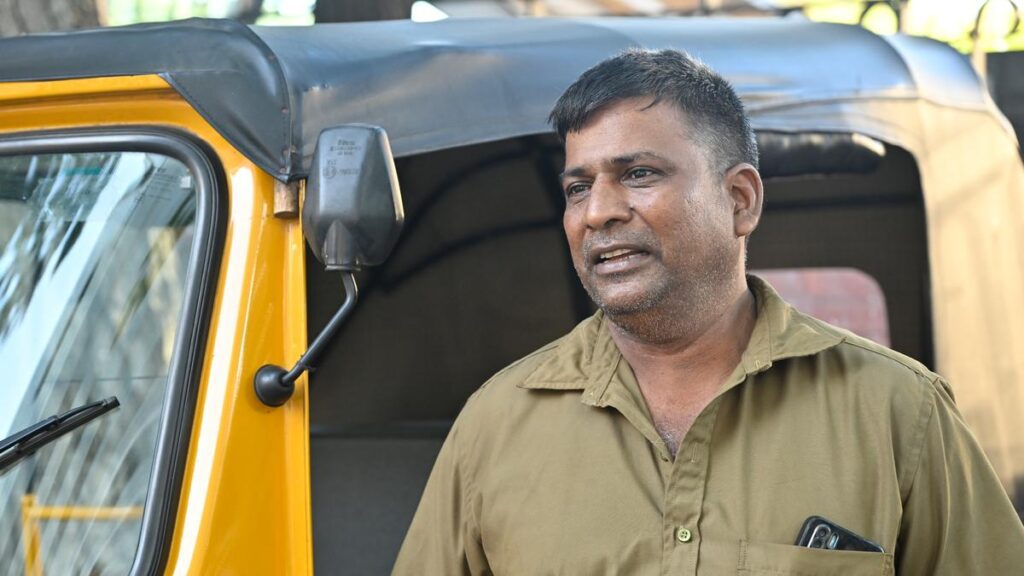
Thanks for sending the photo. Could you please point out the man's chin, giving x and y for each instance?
(625, 296)
(617, 305)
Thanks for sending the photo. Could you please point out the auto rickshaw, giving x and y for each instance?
(159, 184)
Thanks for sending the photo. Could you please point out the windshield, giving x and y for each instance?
(94, 249)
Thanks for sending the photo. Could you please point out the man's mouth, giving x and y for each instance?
(618, 259)
(616, 254)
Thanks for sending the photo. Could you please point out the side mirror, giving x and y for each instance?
(351, 218)
(353, 210)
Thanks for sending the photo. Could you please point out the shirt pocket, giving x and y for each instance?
(782, 560)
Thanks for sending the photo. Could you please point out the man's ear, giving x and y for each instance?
(746, 191)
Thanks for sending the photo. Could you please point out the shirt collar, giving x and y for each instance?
(587, 358)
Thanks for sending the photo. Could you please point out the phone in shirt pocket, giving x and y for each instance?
(764, 559)
(823, 534)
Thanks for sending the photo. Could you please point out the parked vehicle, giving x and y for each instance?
(150, 187)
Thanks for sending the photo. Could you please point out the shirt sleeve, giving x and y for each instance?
(444, 537)
(957, 518)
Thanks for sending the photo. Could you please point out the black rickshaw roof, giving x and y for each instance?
(270, 90)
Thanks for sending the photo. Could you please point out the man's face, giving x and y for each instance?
(648, 221)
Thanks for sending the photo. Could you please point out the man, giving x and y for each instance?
(696, 421)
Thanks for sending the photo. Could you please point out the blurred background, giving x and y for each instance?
(991, 25)
(989, 32)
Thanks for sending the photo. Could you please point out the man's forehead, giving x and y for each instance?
(629, 129)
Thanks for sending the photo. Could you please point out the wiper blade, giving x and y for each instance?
(23, 444)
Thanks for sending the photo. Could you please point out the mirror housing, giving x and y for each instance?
(351, 218)
(353, 212)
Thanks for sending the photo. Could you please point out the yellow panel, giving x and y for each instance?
(122, 85)
(245, 504)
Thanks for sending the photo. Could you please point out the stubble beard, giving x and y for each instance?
(673, 306)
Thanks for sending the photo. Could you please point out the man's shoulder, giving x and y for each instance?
(497, 410)
(877, 356)
(509, 377)
(558, 364)
(867, 361)
(847, 356)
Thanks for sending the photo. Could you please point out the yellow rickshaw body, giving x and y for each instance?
(244, 506)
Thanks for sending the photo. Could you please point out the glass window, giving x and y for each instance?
(94, 249)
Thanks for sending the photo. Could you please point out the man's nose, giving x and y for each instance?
(608, 203)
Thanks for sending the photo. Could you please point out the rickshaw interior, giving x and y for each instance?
(482, 276)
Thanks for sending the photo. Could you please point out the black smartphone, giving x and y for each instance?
(817, 532)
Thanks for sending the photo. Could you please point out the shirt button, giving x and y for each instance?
(683, 535)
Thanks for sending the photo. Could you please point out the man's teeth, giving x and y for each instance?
(615, 253)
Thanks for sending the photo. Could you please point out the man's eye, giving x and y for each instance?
(574, 189)
(639, 173)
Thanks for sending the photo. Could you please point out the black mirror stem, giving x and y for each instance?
(274, 386)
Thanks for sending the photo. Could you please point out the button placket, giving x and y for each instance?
(684, 496)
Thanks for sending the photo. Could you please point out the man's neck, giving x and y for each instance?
(679, 376)
(693, 343)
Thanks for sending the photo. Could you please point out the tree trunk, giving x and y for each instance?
(19, 17)
(362, 10)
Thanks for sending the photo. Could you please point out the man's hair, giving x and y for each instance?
(715, 112)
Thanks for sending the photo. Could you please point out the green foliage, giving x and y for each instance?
(950, 21)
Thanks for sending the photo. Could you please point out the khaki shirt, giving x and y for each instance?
(554, 467)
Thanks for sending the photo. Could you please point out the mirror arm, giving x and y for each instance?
(274, 386)
(325, 336)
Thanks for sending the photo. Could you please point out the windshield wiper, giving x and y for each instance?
(23, 444)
